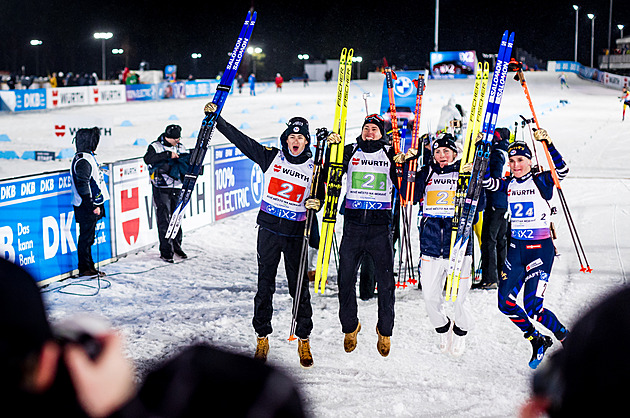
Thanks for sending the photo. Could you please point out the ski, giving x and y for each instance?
(335, 172)
(480, 163)
(405, 243)
(472, 129)
(322, 134)
(212, 111)
(413, 164)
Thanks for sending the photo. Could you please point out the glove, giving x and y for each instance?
(467, 168)
(334, 138)
(313, 204)
(210, 108)
(479, 138)
(542, 135)
(322, 133)
(411, 153)
(399, 158)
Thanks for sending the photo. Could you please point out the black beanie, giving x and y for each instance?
(296, 125)
(376, 120)
(445, 140)
(23, 320)
(173, 131)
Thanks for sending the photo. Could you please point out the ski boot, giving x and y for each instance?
(350, 340)
(383, 345)
(304, 351)
(262, 348)
(540, 344)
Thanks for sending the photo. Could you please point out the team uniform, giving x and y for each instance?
(89, 192)
(371, 172)
(281, 221)
(531, 251)
(435, 188)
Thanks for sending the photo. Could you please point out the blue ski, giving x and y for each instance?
(212, 111)
(480, 164)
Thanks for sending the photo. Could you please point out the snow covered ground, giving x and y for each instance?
(209, 297)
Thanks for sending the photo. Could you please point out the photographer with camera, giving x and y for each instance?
(78, 368)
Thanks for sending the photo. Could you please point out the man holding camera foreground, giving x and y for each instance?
(73, 370)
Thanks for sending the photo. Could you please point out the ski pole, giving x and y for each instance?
(521, 78)
(322, 134)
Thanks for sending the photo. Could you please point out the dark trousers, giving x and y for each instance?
(494, 241)
(269, 248)
(376, 241)
(85, 217)
(165, 200)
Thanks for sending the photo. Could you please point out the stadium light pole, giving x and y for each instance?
(254, 51)
(592, 17)
(36, 43)
(103, 36)
(437, 24)
(358, 60)
(620, 27)
(609, 34)
(577, 9)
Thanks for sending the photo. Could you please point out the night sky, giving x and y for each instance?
(402, 31)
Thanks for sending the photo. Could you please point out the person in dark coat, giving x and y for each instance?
(47, 370)
(167, 159)
(494, 233)
(89, 194)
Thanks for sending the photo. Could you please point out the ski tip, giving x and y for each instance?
(292, 338)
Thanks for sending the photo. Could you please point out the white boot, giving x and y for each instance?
(445, 339)
(458, 345)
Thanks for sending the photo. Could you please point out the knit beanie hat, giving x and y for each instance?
(445, 140)
(173, 131)
(296, 125)
(376, 120)
(519, 148)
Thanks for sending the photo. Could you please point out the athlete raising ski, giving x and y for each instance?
(370, 165)
(436, 184)
(531, 251)
(281, 220)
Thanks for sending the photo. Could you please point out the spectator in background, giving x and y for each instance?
(279, 80)
(125, 74)
(252, 84)
(89, 194)
(168, 160)
(239, 82)
(305, 77)
(42, 373)
(53, 80)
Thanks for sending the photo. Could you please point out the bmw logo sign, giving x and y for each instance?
(257, 183)
(404, 86)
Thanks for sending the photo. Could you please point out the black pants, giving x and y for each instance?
(270, 247)
(85, 217)
(376, 241)
(165, 200)
(494, 241)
